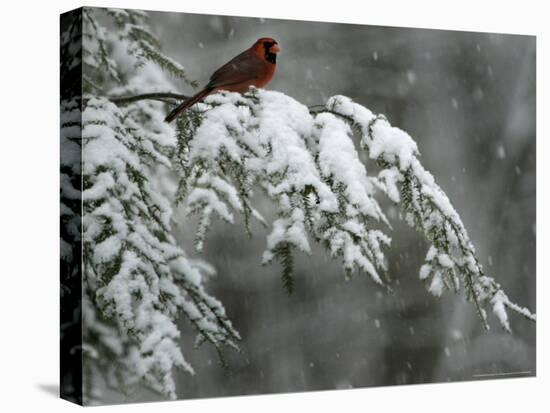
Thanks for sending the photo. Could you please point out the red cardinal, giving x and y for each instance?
(253, 67)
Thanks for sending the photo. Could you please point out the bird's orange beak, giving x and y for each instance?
(275, 48)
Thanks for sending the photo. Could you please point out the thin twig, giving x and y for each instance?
(161, 96)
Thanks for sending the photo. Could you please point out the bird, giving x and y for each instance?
(253, 67)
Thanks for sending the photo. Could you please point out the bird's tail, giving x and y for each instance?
(187, 104)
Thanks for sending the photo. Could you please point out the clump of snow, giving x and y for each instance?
(445, 260)
(436, 286)
(383, 140)
(211, 136)
(389, 180)
(343, 105)
(339, 160)
(500, 310)
(391, 143)
(209, 201)
(107, 249)
(288, 230)
(425, 271)
(283, 124)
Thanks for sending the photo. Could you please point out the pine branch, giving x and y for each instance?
(312, 172)
(284, 254)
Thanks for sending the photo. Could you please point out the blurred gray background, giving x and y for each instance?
(469, 101)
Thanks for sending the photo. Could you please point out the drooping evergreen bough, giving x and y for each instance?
(137, 280)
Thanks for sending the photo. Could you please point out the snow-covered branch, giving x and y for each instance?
(307, 164)
(451, 261)
(134, 271)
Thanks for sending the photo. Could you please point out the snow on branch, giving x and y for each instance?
(307, 166)
(134, 271)
(451, 260)
(306, 162)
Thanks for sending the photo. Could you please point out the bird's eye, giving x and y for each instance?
(268, 45)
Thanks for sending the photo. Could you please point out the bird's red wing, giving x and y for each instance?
(241, 68)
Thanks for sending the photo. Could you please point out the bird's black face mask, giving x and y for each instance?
(269, 55)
